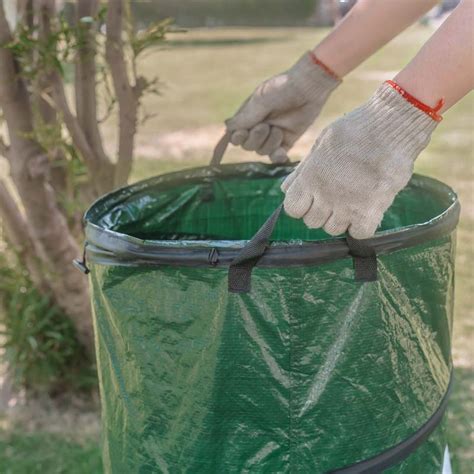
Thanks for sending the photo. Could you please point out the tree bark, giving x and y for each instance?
(85, 79)
(19, 236)
(100, 172)
(47, 112)
(128, 96)
(30, 173)
(4, 148)
(84, 131)
(26, 12)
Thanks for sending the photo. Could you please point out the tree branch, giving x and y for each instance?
(45, 10)
(12, 216)
(97, 163)
(85, 78)
(99, 170)
(19, 236)
(4, 148)
(127, 96)
(26, 12)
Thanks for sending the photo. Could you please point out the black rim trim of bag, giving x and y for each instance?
(401, 451)
(108, 247)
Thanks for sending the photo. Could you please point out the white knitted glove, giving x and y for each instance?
(281, 109)
(358, 165)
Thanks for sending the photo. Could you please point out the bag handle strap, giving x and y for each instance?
(240, 269)
(220, 149)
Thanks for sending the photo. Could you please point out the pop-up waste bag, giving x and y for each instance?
(229, 341)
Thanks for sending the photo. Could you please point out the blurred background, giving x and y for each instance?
(197, 69)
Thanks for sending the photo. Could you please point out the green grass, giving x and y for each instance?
(47, 454)
(206, 74)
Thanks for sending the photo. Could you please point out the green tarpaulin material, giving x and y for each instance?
(311, 371)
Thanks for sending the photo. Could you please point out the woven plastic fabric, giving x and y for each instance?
(310, 372)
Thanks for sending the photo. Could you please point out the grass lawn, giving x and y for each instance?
(48, 454)
(206, 74)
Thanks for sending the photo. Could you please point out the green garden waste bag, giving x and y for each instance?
(232, 339)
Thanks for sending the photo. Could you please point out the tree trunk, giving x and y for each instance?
(85, 78)
(127, 95)
(30, 172)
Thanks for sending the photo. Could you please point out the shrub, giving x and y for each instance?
(39, 342)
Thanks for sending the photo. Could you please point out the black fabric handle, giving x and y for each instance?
(364, 258)
(240, 269)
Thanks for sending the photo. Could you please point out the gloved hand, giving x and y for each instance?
(282, 108)
(359, 164)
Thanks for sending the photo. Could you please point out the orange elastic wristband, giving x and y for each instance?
(323, 66)
(431, 111)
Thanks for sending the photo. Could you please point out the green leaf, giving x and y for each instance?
(87, 20)
(33, 343)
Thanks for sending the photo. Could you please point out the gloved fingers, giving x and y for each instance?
(280, 155)
(297, 201)
(256, 137)
(251, 113)
(365, 228)
(239, 137)
(289, 180)
(272, 143)
(291, 177)
(317, 216)
(294, 121)
(336, 224)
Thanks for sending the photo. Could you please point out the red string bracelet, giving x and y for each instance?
(431, 111)
(323, 66)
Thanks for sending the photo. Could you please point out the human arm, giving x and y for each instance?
(282, 108)
(365, 29)
(444, 67)
(362, 160)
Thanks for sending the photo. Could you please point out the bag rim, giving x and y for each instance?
(106, 246)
